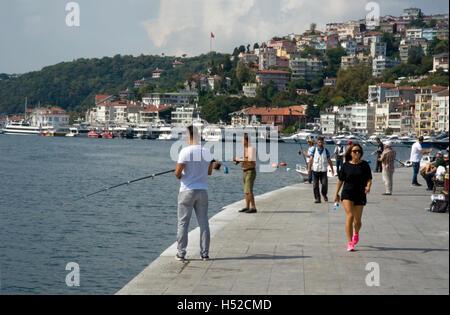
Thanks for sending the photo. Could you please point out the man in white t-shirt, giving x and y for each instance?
(195, 164)
(416, 155)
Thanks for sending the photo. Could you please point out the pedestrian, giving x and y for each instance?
(416, 155)
(432, 168)
(339, 153)
(195, 164)
(308, 154)
(378, 152)
(356, 177)
(248, 163)
(387, 159)
(318, 165)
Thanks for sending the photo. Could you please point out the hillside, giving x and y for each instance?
(73, 85)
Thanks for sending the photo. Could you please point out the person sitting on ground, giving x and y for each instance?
(432, 168)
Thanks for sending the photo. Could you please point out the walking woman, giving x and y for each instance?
(356, 177)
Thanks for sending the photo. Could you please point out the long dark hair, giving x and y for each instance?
(348, 153)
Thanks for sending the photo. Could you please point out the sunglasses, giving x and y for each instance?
(357, 151)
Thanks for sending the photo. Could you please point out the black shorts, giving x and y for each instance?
(357, 198)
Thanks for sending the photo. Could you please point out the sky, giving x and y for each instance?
(35, 34)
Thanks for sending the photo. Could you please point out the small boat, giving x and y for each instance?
(94, 134)
(107, 135)
(303, 170)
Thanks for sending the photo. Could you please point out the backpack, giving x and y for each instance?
(439, 206)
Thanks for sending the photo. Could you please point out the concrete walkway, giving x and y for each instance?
(293, 246)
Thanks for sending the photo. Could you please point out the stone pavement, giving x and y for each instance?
(293, 246)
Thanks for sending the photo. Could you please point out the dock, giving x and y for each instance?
(295, 247)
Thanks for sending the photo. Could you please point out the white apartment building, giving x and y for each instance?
(377, 93)
(414, 33)
(50, 116)
(350, 47)
(328, 123)
(182, 98)
(344, 118)
(249, 89)
(441, 99)
(382, 63)
(267, 57)
(363, 119)
(183, 115)
(382, 112)
(305, 69)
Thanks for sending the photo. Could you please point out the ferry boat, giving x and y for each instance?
(21, 128)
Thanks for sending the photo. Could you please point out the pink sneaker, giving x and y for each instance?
(355, 239)
(351, 247)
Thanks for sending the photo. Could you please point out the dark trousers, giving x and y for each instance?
(416, 168)
(429, 179)
(379, 167)
(323, 178)
(339, 164)
(310, 177)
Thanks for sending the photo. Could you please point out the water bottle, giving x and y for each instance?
(336, 206)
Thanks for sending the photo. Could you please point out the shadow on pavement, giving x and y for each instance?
(424, 250)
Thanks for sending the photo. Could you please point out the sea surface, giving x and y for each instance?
(111, 236)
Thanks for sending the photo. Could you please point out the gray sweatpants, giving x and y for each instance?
(388, 176)
(196, 200)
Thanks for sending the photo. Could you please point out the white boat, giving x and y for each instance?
(303, 170)
(301, 137)
(213, 133)
(21, 128)
(73, 132)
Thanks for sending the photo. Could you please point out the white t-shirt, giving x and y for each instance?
(416, 156)
(195, 174)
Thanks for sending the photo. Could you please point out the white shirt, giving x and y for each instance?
(416, 155)
(195, 173)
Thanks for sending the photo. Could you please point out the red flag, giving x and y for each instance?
(212, 35)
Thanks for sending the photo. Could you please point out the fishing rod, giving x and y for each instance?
(116, 186)
(399, 162)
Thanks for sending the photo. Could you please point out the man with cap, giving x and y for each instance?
(416, 155)
(387, 159)
(432, 168)
(339, 153)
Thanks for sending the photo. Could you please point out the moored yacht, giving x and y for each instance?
(21, 128)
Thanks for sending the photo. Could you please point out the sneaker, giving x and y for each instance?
(182, 259)
(355, 239)
(387, 194)
(205, 258)
(317, 201)
(351, 247)
(251, 211)
(325, 198)
(243, 210)
(416, 185)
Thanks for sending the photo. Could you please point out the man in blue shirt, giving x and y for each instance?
(318, 164)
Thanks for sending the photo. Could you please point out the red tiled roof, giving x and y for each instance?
(99, 98)
(297, 110)
(391, 85)
(158, 71)
(157, 109)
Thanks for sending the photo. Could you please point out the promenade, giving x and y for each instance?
(293, 246)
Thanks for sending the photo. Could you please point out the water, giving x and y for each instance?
(112, 236)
